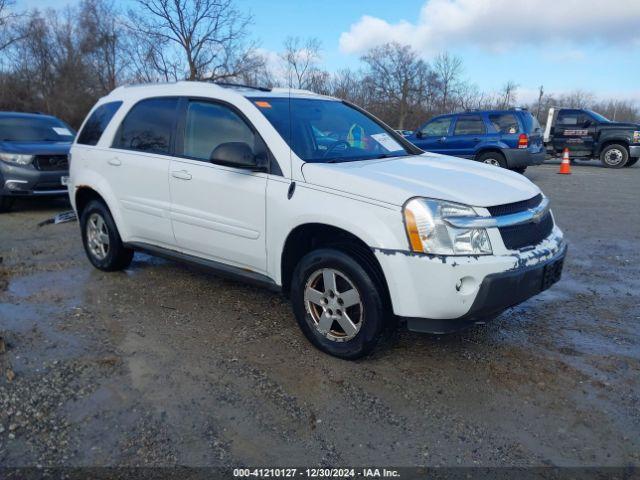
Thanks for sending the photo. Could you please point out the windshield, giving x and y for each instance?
(598, 117)
(328, 130)
(34, 129)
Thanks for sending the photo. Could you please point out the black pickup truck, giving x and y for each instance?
(589, 135)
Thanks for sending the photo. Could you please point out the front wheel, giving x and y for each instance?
(338, 303)
(614, 156)
(101, 239)
(519, 169)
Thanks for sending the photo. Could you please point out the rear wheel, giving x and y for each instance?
(5, 204)
(493, 158)
(632, 161)
(102, 242)
(614, 156)
(519, 169)
(338, 303)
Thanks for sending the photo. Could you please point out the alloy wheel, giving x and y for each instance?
(334, 304)
(98, 236)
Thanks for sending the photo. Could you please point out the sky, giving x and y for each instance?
(593, 45)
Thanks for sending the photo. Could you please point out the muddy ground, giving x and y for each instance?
(165, 364)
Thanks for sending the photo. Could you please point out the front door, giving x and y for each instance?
(218, 211)
(574, 130)
(432, 137)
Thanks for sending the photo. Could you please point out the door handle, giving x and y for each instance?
(476, 139)
(442, 139)
(181, 174)
(116, 162)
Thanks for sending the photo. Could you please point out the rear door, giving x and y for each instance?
(432, 137)
(468, 132)
(137, 169)
(218, 211)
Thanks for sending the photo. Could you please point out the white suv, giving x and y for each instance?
(314, 197)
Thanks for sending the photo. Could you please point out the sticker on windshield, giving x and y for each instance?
(387, 142)
(62, 131)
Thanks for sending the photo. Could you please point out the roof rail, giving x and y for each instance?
(240, 85)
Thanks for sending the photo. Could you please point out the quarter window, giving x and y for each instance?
(469, 126)
(504, 122)
(437, 128)
(209, 125)
(97, 123)
(148, 126)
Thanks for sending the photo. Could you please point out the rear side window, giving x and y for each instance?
(97, 123)
(437, 128)
(504, 122)
(208, 125)
(148, 126)
(469, 126)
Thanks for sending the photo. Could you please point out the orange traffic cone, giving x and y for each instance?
(565, 165)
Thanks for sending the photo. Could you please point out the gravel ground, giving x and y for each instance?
(164, 364)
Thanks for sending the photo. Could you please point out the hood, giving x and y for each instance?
(36, 148)
(396, 180)
(623, 125)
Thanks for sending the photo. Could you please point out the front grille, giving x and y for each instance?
(516, 207)
(530, 234)
(51, 162)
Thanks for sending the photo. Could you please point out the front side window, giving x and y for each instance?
(97, 123)
(319, 130)
(148, 126)
(568, 119)
(34, 128)
(437, 128)
(469, 126)
(208, 125)
(504, 122)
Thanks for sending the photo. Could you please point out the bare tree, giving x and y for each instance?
(8, 33)
(448, 69)
(509, 94)
(193, 39)
(398, 77)
(103, 42)
(301, 59)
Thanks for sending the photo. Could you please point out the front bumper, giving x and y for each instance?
(498, 292)
(634, 151)
(451, 291)
(18, 181)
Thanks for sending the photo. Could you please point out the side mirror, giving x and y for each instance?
(419, 134)
(587, 123)
(238, 155)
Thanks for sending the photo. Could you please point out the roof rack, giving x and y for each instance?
(241, 85)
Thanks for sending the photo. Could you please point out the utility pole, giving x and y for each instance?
(540, 101)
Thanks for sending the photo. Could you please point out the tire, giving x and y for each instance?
(519, 169)
(368, 317)
(5, 204)
(105, 250)
(493, 158)
(632, 162)
(614, 156)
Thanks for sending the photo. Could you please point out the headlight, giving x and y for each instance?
(428, 232)
(16, 158)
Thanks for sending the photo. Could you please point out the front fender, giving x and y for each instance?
(379, 227)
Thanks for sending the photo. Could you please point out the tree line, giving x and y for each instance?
(60, 61)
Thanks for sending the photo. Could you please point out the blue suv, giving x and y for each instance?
(507, 138)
